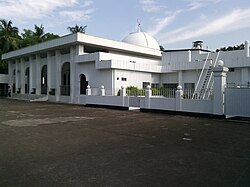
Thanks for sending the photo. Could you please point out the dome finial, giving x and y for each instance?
(138, 26)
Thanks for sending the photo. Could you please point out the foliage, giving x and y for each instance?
(3, 67)
(11, 40)
(30, 37)
(231, 48)
(161, 48)
(134, 91)
(76, 29)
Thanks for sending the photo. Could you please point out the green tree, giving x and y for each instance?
(9, 38)
(30, 37)
(9, 41)
(161, 48)
(76, 29)
(232, 48)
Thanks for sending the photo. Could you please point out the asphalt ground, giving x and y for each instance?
(51, 144)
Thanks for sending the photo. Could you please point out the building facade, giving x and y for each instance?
(64, 67)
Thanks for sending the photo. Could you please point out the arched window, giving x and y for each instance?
(83, 84)
(27, 79)
(65, 79)
(44, 80)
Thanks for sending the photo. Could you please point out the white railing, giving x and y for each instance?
(156, 92)
(165, 92)
(210, 82)
(199, 79)
(203, 89)
(188, 93)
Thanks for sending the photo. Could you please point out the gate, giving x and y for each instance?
(237, 102)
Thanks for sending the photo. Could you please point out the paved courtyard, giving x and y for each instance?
(48, 144)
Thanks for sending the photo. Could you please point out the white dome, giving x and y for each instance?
(141, 39)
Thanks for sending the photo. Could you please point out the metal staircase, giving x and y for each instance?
(204, 86)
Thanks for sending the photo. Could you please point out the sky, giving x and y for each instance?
(174, 24)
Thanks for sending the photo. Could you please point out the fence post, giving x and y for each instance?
(148, 94)
(219, 73)
(123, 94)
(178, 98)
(123, 91)
(88, 90)
(102, 91)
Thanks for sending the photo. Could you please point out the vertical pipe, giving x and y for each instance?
(247, 48)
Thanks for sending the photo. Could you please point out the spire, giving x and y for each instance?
(138, 26)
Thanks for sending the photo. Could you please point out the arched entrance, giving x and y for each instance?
(83, 84)
(14, 81)
(27, 80)
(65, 79)
(44, 80)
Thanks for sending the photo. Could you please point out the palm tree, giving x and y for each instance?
(39, 33)
(77, 29)
(30, 37)
(9, 38)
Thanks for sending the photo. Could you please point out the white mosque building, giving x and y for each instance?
(64, 67)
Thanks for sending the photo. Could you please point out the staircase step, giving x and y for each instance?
(29, 97)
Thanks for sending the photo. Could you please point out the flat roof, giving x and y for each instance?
(177, 50)
(80, 38)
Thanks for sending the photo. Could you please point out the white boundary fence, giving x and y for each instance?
(225, 101)
(237, 102)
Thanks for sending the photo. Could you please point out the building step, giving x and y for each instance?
(29, 97)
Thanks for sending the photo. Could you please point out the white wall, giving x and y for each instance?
(133, 78)
(169, 78)
(197, 106)
(95, 77)
(234, 77)
(237, 102)
(4, 78)
(108, 100)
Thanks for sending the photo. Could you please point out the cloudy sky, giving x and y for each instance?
(174, 23)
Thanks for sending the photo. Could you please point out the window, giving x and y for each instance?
(145, 84)
(188, 90)
(230, 69)
(155, 85)
(124, 79)
(189, 86)
(117, 78)
(170, 85)
(230, 84)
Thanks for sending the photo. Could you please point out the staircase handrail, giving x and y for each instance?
(208, 83)
(198, 82)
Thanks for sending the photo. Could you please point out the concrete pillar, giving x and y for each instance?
(247, 48)
(122, 95)
(17, 75)
(22, 77)
(72, 74)
(180, 78)
(38, 74)
(178, 98)
(31, 65)
(244, 76)
(219, 73)
(189, 56)
(49, 70)
(123, 91)
(88, 90)
(148, 94)
(10, 72)
(80, 49)
(102, 91)
(58, 75)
